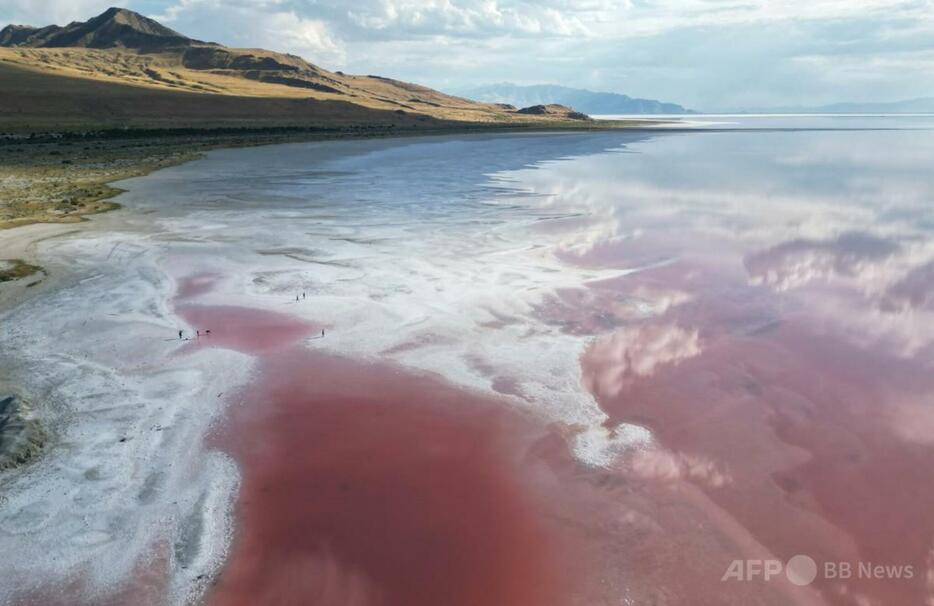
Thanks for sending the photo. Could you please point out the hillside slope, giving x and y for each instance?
(47, 102)
(121, 69)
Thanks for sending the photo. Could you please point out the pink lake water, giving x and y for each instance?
(557, 369)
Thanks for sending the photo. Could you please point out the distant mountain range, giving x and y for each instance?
(586, 101)
(923, 105)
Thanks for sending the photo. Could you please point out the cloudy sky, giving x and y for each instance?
(706, 54)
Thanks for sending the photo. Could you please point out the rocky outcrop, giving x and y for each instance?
(219, 57)
(18, 35)
(21, 436)
(271, 68)
(274, 78)
(560, 111)
(16, 269)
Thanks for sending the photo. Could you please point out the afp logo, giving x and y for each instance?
(800, 570)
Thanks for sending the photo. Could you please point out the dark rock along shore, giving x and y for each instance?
(21, 437)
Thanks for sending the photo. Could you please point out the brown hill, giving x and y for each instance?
(121, 69)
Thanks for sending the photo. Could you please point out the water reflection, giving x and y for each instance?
(804, 210)
(798, 262)
(796, 359)
(618, 360)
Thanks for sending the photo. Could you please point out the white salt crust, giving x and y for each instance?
(429, 271)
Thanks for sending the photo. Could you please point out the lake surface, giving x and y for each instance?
(441, 370)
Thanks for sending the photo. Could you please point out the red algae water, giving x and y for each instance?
(366, 485)
(783, 426)
(244, 329)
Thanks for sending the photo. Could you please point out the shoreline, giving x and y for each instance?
(74, 173)
(66, 177)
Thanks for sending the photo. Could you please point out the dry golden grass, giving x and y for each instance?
(63, 181)
(165, 72)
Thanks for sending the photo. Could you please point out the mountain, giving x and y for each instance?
(123, 70)
(115, 27)
(585, 101)
(924, 105)
(15, 35)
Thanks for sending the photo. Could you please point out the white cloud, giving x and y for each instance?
(269, 24)
(795, 52)
(869, 66)
(46, 12)
(481, 18)
(599, 18)
(652, 17)
(307, 37)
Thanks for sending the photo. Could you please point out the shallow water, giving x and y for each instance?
(616, 360)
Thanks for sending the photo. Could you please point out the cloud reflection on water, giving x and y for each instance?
(837, 222)
(799, 356)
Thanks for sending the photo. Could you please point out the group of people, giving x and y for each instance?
(198, 333)
(302, 299)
